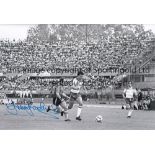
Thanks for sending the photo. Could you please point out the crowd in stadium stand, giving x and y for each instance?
(26, 57)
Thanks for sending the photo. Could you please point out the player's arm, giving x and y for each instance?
(124, 93)
(135, 95)
(85, 89)
(85, 78)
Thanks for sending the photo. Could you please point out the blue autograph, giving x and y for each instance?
(14, 109)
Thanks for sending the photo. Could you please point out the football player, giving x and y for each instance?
(129, 95)
(59, 99)
(75, 93)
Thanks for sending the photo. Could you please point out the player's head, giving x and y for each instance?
(61, 81)
(80, 74)
(129, 84)
(54, 83)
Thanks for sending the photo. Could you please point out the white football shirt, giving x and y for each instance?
(130, 92)
(76, 86)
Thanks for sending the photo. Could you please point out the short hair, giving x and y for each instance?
(61, 81)
(80, 73)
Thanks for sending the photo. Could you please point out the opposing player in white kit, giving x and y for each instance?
(75, 94)
(130, 95)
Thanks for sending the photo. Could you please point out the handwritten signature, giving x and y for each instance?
(14, 109)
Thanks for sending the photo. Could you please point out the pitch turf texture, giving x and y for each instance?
(114, 118)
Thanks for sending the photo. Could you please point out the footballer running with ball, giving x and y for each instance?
(75, 93)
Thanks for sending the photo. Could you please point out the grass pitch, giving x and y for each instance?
(114, 118)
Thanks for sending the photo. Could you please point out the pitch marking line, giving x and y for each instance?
(104, 106)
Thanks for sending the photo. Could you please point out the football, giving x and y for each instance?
(99, 118)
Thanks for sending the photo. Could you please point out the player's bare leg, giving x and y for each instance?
(79, 110)
(71, 103)
(65, 110)
(136, 104)
(130, 111)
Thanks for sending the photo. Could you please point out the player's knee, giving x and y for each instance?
(66, 111)
(80, 105)
(70, 106)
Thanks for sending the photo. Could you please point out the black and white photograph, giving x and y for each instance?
(77, 77)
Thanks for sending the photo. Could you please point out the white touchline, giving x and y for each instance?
(104, 106)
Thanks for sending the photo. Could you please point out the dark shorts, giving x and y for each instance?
(74, 96)
(129, 100)
(56, 101)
